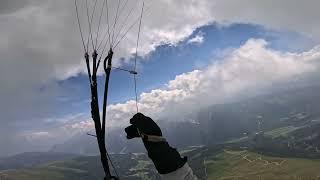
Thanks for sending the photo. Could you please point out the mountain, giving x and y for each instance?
(87, 145)
(216, 162)
(133, 166)
(30, 159)
(290, 152)
(217, 123)
(243, 164)
(225, 121)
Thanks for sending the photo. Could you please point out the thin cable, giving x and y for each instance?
(118, 19)
(132, 25)
(108, 29)
(126, 70)
(113, 167)
(84, 46)
(135, 60)
(98, 31)
(103, 51)
(94, 10)
(137, 44)
(115, 21)
(105, 47)
(135, 91)
(124, 23)
(109, 157)
(121, 69)
(89, 134)
(124, 35)
(123, 7)
(104, 37)
(99, 62)
(90, 34)
(108, 19)
(122, 26)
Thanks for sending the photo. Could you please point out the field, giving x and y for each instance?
(129, 167)
(230, 165)
(207, 163)
(284, 131)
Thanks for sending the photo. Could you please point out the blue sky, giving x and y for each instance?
(168, 61)
(44, 88)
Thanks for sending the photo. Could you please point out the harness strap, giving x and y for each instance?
(151, 138)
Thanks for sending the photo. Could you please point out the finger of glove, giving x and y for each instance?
(145, 124)
(132, 132)
(137, 118)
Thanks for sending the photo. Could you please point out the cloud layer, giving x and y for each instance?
(48, 40)
(40, 43)
(242, 73)
(251, 67)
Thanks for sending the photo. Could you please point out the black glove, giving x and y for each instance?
(165, 158)
(145, 125)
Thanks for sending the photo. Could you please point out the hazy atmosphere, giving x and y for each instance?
(41, 50)
(192, 56)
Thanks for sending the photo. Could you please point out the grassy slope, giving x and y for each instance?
(281, 131)
(233, 165)
(129, 167)
(80, 168)
(219, 164)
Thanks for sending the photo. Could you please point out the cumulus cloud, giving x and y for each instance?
(40, 42)
(295, 15)
(251, 67)
(42, 138)
(198, 39)
(246, 70)
(48, 40)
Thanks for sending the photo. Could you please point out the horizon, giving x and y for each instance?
(189, 58)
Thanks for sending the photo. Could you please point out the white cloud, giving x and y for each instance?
(40, 42)
(252, 66)
(46, 37)
(198, 39)
(50, 32)
(245, 70)
(292, 15)
(63, 129)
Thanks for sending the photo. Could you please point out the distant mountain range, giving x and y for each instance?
(30, 159)
(216, 162)
(129, 167)
(215, 124)
(239, 139)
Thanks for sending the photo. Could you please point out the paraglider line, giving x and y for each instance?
(135, 60)
(124, 23)
(79, 25)
(115, 21)
(98, 31)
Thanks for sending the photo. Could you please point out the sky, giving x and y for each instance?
(191, 54)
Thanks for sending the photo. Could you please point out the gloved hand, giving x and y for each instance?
(165, 158)
(142, 124)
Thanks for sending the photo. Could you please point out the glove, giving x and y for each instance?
(165, 158)
(142, 124)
